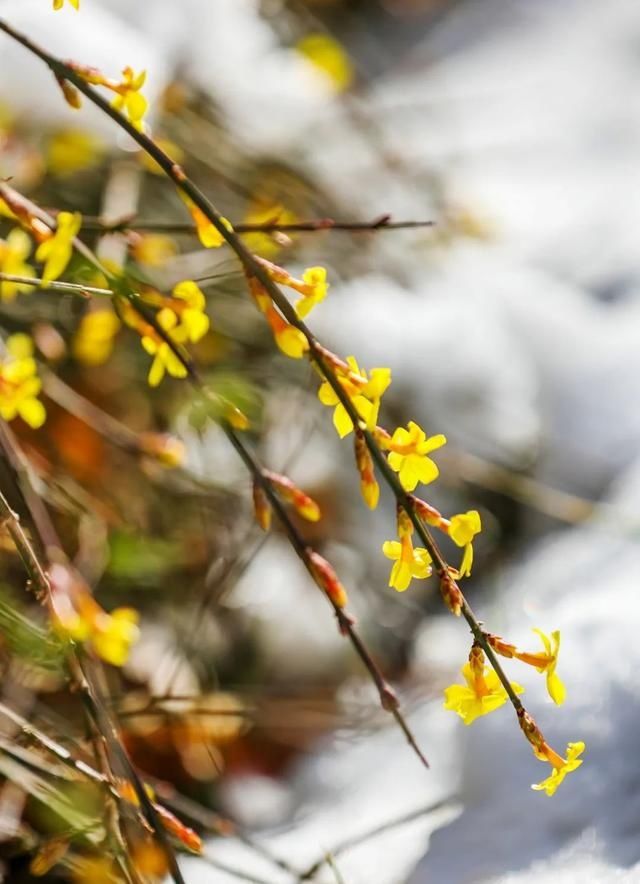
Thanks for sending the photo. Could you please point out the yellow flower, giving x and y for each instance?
(410, 562)
(19, 383)
(267, 245)
(462, 529)
(165, 360)
(13, 254)
(408, 457)
(71, 150)
(376, 386)
(154, 249)
(561, 766)
(56, 251)
(112, 635)
(313, 286)
(328, 56)
(208, 233)
(314, 291)
(166, 449)
(93, 342)
(129, 99)
(192, 316)
(482, 694)
(289, 339)
(58, 4)
(77, 616)
(364, 392)
(547, 662)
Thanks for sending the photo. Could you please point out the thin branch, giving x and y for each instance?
(382, 222)
(55, 286)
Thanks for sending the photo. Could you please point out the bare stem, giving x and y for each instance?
(382, 222)
(55, 286)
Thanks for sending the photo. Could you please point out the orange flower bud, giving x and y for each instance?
(405, 526)
(327, 579)
(25, 212)
(451, 594)
(428, 513)
(500, 646)
(171, 823)
(476, 660)
(369, 487)
(533, 734)
(382, 438)
(304, 505)
(166, 449)
(175, 827)
(237, 418)
(70, 93)
(261, 507)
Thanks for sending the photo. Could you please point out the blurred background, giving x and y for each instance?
(511, 325)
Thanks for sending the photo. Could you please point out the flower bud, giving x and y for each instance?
(327, 579)
(451, 594)
(261, 507)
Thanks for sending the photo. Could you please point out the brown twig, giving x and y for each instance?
(130, 222)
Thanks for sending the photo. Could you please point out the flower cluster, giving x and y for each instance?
(485, 692)
(364, 391)
(354, 395)
(182, 319)
(55, 245)
(482, 693)
(77, 616)
(128, 97)
(313, 286)
(560, 766)
(19, 383)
